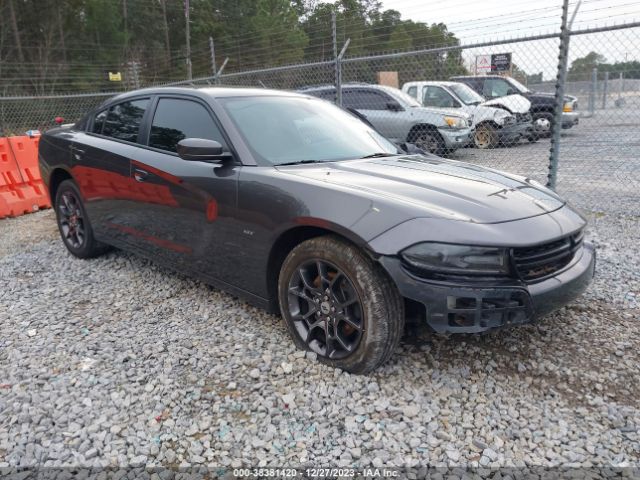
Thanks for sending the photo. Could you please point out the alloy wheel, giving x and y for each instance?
(326, 309)
(482, 138)
(542, 125)
(71, 220)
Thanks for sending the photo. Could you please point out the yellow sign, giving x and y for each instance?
(115, 77)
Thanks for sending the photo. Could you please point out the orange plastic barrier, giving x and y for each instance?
(25, 150)
(21, 187)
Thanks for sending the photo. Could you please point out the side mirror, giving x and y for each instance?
(394, 107)
(201, 149)
(510, 91)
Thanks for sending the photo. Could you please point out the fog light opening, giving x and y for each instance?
(461, 320)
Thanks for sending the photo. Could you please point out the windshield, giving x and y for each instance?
(520, 87)
(405, 98)
(282, 130)
(466, 94)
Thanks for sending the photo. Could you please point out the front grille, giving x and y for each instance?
(542, 261)
(510, 121)
(523, 117)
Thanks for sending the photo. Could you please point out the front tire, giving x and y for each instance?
(73, 223)
(485, 137)
(339, 304)
(429, 140)
(543, 124)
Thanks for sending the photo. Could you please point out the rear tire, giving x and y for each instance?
(332, 295)
(73, 223)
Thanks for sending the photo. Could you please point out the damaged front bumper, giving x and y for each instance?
(513, 132)
(456, 138)
(473, 307)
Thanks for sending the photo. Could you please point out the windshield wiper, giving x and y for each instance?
(299, 162)
(380, 155)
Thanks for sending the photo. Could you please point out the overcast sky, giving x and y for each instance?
(476, 21)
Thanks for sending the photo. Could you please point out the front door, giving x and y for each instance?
(379, 109)
(184, 209)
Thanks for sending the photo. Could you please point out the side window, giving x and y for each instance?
(176, 119)
(329, 95)
(495, 87)
(371, 100)
(349, 99)
(413, 91)
(98, 122)
(437, 97)
(123, 120)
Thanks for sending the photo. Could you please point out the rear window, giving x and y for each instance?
(123, 120)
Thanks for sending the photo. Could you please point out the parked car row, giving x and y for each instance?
(400, 117)
(440, 117)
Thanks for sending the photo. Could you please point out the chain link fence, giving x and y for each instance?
(498, 113)
(19, 114)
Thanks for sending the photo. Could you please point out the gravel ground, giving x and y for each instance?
(117, 362)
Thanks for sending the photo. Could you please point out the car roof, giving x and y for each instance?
(214, 92)
(432, 82)
(347, 85)
(481, 76)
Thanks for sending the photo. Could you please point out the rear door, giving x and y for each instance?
(184, 209)
(100, 163)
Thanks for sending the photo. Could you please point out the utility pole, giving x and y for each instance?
(167, 44)
(186, 14)
(126, 26)
(16, 31)
(338, 78)
(212, 48)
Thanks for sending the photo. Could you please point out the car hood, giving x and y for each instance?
(436, 187)
(543, 97)
(441, 111)
(513, 103)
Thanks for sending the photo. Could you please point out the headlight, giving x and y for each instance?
(457, 259)
(567, 107)
(501, 116)
(456, 122)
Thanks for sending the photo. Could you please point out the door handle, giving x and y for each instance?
(140, 175)
(77, 152)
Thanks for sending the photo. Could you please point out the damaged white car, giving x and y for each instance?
(502, 121)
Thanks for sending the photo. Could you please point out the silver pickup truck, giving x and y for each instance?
(401, 118)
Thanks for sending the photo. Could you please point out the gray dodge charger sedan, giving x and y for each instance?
(301, 208)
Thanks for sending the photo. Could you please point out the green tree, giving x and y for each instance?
(581, 67)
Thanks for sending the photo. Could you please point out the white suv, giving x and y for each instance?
(502, 121)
